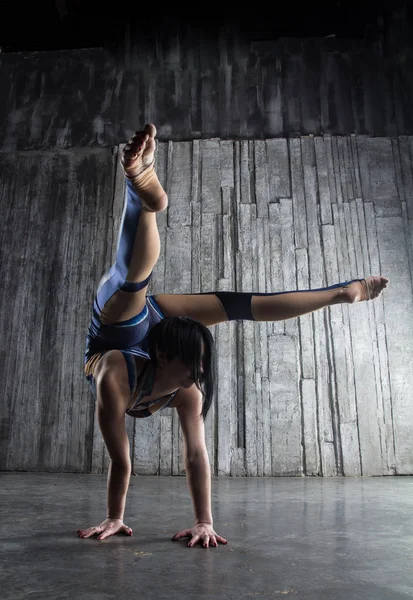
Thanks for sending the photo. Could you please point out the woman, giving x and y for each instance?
(146, 353)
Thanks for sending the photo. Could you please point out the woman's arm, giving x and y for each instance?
(196, 460)
(117, 488)
(198, 476)
(112, 401)
(188, 403)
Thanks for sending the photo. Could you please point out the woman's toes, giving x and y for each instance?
(150, 129)
(150, 147)
(138, 165)
(139, 142)
(366, 289)
(375, 285)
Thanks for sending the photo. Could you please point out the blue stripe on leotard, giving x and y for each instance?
(130, 337)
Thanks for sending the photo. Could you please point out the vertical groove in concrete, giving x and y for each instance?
(326, 394)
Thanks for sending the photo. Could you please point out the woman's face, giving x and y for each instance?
(177, 372)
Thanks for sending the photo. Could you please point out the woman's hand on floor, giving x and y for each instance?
(201, 532)
(105, 529)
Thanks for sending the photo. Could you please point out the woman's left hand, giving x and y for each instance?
(201, 532)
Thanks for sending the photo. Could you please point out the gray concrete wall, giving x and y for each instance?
(55, 236)
(325, 394)
(230, 87)
(255, 205)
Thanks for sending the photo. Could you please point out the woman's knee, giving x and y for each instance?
(205, 308)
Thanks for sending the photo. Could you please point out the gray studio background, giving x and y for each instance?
(288, 165)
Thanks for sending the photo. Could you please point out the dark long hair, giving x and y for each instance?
(182, 338)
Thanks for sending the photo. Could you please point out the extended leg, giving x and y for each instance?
(211, 308)
(287, 305)
(122, 291)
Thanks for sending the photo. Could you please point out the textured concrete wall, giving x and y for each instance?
(55, 238)
(194, 87)
(255, 206)
(325, 394)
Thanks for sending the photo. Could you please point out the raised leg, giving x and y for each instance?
(122, 291)
(288, 305)
(205, 308)
(211, 308)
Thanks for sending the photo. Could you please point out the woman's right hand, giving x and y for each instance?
(105, 529)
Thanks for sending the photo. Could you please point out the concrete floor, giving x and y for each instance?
(312, 539)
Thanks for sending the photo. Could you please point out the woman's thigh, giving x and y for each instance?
(205, 308)
(123, 305)
(146, 248)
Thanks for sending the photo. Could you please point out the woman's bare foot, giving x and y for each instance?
(138, 163)
(366, 289)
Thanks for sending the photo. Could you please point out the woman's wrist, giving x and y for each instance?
(205, 521)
